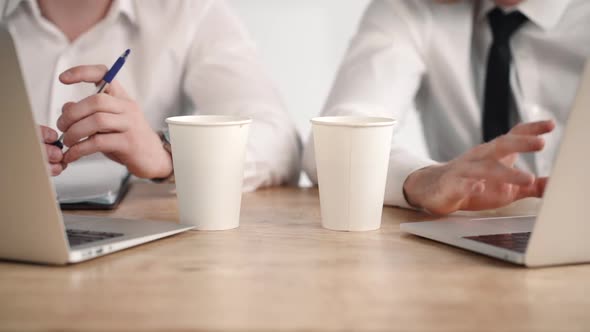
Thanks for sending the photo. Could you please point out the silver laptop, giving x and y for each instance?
(32, 227)
(560, 234)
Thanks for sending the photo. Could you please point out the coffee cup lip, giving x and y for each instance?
(353, 121)
(208, 120)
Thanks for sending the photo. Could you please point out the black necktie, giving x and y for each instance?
(496, 114)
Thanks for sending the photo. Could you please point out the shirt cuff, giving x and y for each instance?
(398, 172)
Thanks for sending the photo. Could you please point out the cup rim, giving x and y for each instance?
(353, 121)
(208, 120)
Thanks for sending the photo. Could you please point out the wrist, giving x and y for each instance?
(409, 190)
(167, 172)
(417, 185)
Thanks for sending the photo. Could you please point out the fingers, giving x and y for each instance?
(54, 154)
(57, 169)
(541, 185)
(97, 123)
(92, 74)
(48, 135)
(522, 138)
(74, 112)
(536, 189)
(117, 90)
(483, 177)
(494, 171)
(534, 128)
(473, 185)
(507, 145)
(105, 143)
(510, 144)
(86, 73)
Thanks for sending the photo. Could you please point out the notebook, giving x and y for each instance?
(94, 183)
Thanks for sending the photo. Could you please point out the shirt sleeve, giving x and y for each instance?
(380, 76)
(224, 76)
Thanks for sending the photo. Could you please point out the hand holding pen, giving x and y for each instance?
(110, 123)
(107, 79)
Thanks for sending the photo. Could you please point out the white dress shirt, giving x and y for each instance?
(186, 55)
(431, 57)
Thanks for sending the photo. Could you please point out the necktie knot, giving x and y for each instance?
(505, 25)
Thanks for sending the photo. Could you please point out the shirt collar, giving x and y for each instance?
(127, 8)
(544, 13)
(124, 7)
(10, 7)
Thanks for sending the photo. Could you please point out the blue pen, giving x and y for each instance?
(107, 79)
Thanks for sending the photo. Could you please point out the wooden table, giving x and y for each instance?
(281, 271)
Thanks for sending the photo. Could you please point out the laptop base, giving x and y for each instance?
(457, 232)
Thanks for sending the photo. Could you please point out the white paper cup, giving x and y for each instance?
(352, 157)
(208, 154)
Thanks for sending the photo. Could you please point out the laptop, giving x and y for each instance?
(560, 233)
(32, 227)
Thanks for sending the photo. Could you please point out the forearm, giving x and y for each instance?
(413, 185)
(274, 151)
(402, 164)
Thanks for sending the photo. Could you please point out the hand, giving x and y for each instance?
(111, 123)
(484, 177)
(54, 154)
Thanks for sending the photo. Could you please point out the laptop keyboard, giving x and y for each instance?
(512, 241)
(79, 237)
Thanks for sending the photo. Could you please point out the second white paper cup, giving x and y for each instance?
(209, 153)
(352, 157)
